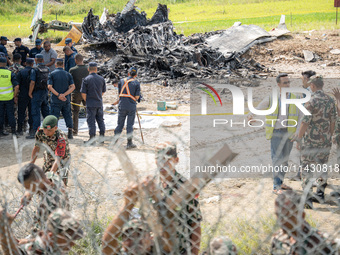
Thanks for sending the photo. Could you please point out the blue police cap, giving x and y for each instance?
(29, 60)
(68, 40)
(17, 39)
(59, 60)
(38, 42)
(39, 56)
(4, 38)
(3, 60)
(133, 69)
(93, 64)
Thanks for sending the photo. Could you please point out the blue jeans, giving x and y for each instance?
(65, 109)
(94, 114)
(281, 147)
(39, 104)
(122, 114)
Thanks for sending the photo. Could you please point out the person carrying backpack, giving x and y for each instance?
(38, 92)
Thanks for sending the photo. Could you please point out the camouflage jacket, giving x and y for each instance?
(323, 110)
(337, 131)
(52, 142)
(187, 216)
(37, 247)
(50, 200)
(15, 68)
(313, 242)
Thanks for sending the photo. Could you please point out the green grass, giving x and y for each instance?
(188, 16)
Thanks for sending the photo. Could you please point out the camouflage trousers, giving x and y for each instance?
(314, 169)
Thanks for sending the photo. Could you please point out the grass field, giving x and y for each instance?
(188, 16)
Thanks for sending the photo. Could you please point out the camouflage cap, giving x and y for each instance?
(63, 222)
(317, 80)
(50, 122)
(166, 150)
(222, 246)
(135, 225)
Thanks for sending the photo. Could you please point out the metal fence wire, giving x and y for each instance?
(115, 205)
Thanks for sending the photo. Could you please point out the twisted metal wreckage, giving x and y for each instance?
(161, 54)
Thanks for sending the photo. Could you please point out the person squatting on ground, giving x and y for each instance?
(57, 154)
(49, 188)
(57, 237)
(20, 49)
(79, 72)
(8, 97)
(38, 93)
(129, 93)
(280, 136)
(315, 140)
(296, 236)
(61, 84)
(24, 100)
(92, 91)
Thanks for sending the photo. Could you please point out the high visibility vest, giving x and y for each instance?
(293, 118)
(126, 87)
(6, 88)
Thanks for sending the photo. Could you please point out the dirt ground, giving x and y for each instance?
(98, 179)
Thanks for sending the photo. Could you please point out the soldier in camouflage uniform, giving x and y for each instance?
(296, 236)
(52, 194)
(336, 93)
(57, 151)
(316, 130)
(135, 234)
(188, 219)
(16, 67)
(57, 238)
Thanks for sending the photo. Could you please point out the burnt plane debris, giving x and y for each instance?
(160, 53)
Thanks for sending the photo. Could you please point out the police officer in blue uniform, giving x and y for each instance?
(69, 58)
(8, 96)
(129, 93)
(93, 89)
(21, 49)
(24, 101)
(38, 93)
(68, 42)
(36, 50)
(3, 42)
(61, 84)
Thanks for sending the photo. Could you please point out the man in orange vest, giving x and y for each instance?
(129, 93)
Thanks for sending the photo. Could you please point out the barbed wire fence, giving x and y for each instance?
(181, 215)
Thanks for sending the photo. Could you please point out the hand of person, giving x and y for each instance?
(298, 146)
(336, 93)
(149, 185)
(294, 138)
(30, 95)
(25, 200)
(62, 97)
(16, 100)
(131, 194)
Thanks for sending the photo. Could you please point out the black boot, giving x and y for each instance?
(70, 133)
(130, 145)
(90, 140)
(19, 131)
(3, 133)
(102, 138)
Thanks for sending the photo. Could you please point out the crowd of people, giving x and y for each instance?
(43, 84)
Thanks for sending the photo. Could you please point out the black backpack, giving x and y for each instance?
(42, 72)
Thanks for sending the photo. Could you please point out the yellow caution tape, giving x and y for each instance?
(169, 115)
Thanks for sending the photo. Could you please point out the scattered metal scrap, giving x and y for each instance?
(160, 53)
